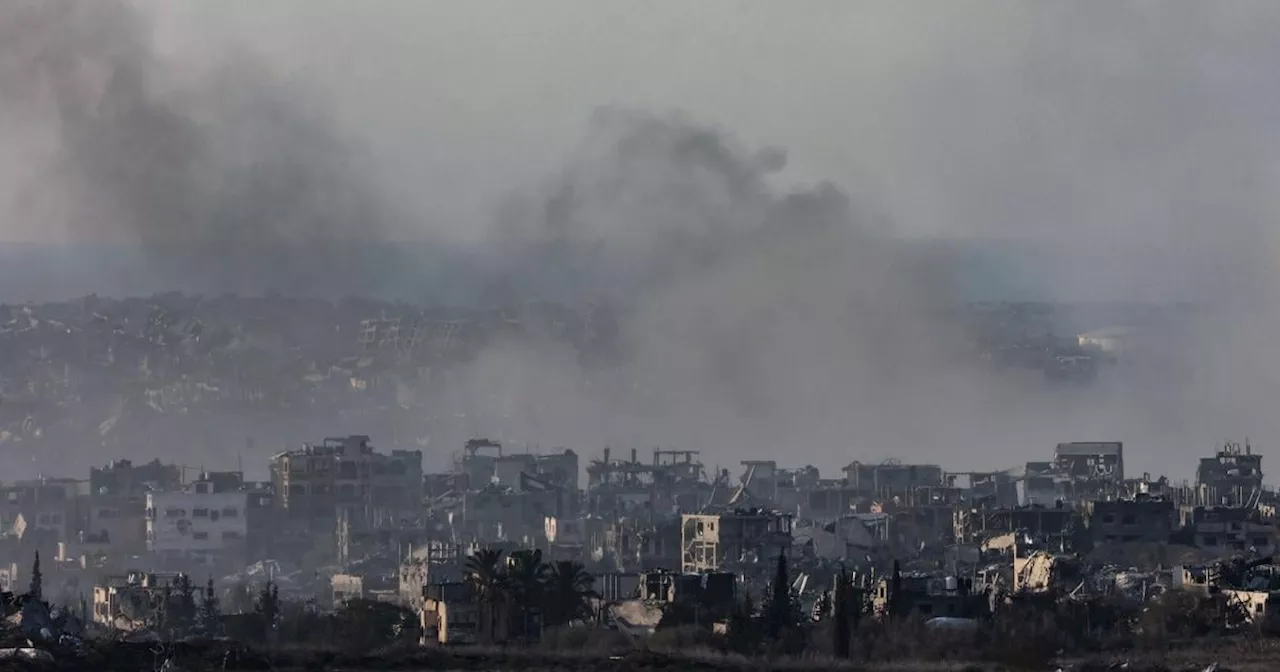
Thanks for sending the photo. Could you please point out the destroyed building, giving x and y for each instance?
(340, 520)
(928, 596)
(644, 543)
(313, 482)
(1232, 477)
(1230, 529)
(1079, 472)
(1053, 524)
(744, 538)
(1144, 519)
(558, 469)
(892, 479)
(128, 601)
(1083, 460)
(451, 614)
(674, 481)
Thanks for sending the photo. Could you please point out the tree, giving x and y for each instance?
(484, 572)
(161, 613)
(784, 623)
(841, 631)
(209, 611)
(895, 591)
(744, 635)
(36, 590)
(183, 607)
(268, 606)
(778, 615)
(568, 591)
(369, 624)
(526, 581)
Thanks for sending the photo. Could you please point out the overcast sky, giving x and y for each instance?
(958, 118)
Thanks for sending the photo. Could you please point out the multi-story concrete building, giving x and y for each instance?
(312, 483)
(48, 506)
(115, 512)
(118, 521)
(197, 523)
(1228, 530)
(713, 542)
(1231, 477)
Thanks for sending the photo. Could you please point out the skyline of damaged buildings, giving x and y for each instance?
(385, 516)
(340, 519)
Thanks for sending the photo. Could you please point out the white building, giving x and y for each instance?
(196, 523)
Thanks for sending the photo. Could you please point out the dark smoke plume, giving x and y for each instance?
(230, 181)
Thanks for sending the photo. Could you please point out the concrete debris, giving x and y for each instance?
(28, 654)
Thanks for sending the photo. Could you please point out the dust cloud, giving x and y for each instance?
(760, 323)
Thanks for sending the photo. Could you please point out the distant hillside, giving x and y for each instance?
(435, 273)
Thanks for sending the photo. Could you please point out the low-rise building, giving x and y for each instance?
(451, 614)
(1259, 606)
(715, 590)
(928, 597)
(127, 602)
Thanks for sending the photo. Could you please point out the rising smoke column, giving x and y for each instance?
(755, 320)
(231, 181)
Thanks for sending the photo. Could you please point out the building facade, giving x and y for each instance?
(197, 523)
(312, 483)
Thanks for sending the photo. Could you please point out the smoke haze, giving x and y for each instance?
(1088, 151)
(212, 177)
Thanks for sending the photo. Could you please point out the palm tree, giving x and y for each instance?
(567, 592)
(526, 576)
(484, 573)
